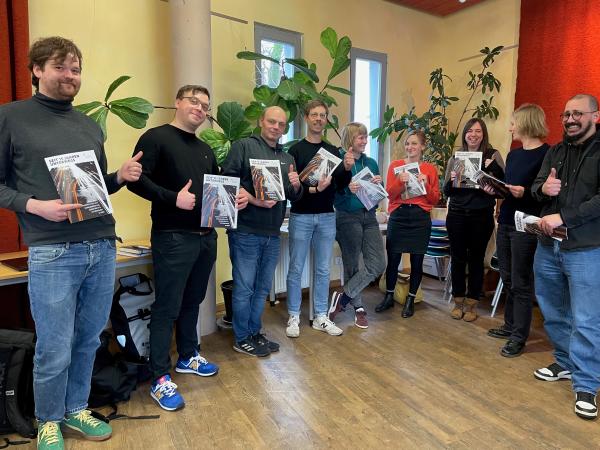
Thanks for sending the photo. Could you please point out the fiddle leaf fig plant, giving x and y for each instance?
(134, 111)
(290, 92)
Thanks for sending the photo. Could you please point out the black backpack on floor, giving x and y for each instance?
(16, 382)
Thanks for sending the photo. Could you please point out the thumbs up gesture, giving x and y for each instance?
(185, 199)
(131, 169)
(293, 177)
(551, 187)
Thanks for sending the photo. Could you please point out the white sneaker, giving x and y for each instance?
(293, 326)
(322, 323)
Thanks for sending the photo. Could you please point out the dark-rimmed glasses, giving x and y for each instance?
(194, 101)
(576, 115)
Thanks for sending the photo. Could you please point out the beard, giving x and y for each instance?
(576, 137)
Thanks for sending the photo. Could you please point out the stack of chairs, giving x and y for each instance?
(439, 249)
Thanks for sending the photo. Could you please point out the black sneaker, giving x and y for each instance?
(499, 333)
(512, 349)
(261, 339)
(585, 405)
(249, 347)
(553, 372)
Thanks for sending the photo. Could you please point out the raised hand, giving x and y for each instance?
(186, 199)
(52, 210)
(294, 178)
(131, 170)
(551, 186)
(349, 159)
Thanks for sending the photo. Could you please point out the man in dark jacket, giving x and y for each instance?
(254, 245)
(567, 273)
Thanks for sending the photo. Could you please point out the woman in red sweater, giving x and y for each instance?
(413, 189)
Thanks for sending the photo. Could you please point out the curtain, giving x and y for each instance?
(15, 83)
(559, 56)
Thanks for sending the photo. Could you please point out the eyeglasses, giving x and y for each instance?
(194, 101)
(576, 115)
(315, 115)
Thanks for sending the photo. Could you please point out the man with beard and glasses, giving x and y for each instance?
(71, 265)
(567, 273)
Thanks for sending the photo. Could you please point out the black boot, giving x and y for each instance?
(409, 306)
(387, 303)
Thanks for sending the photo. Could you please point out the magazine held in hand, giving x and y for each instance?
(370, 194)
(414, 187)
(218, 201)
(527, 223)
(466, 165)
(485, 179)
(78, 179)
(266, 177)
(321, 165)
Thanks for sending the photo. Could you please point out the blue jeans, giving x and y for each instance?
(70, 289)
(567, 285)
(317, 230)
(253, 259)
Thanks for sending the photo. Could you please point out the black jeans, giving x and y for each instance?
(469, 231)
(182, 266)
(515, 252)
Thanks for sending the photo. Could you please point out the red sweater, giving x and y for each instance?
(395, 187)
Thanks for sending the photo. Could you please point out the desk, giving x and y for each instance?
(10, 276)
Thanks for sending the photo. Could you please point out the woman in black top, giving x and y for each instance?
(515, 249)
(470, 221)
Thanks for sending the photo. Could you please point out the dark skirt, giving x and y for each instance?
(408, 230)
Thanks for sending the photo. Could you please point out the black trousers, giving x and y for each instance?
(469, 231)
(182, 266)
(515, 252)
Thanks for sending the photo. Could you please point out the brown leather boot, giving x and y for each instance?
(457, 311)
(470, 309)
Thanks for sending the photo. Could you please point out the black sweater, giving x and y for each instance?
(522, 166)
(31, 130)
(319, 202)
(171, 157)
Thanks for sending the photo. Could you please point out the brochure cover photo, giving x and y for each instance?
(321, 165)
(266, 177)
(78, 179)
(218, 201)
(414, 187)
(466, 165)
(370, 194)
(527, 223)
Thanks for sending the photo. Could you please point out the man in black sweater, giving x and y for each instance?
(175, 162)
(254, 245)
(71, 265)
(312, 222)
(567, 273)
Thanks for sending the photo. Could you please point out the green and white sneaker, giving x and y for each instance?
(49, 436)
(88, 426)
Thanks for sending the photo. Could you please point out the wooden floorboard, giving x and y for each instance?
(429, 382)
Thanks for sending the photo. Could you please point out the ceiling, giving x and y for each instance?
(436, 7)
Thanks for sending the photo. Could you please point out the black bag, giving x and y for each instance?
(16, 382)
(130, 316)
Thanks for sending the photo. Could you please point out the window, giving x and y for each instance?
(368, 80)
(278, 44)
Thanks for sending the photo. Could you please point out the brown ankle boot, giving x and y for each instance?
(470, 310)
(457, 311)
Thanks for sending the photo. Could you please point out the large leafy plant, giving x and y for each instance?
(434, 122)
(291, 93)
(134, 111)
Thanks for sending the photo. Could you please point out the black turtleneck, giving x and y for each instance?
(31, 130)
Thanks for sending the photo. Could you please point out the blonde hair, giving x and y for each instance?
(350, 131)
(530, 121)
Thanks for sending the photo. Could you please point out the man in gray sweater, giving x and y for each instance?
(254, 245)
(71, 265)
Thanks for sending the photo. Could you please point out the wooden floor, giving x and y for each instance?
(428, 382)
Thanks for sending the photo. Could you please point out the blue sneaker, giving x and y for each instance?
(196, 365)
(164, 391)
